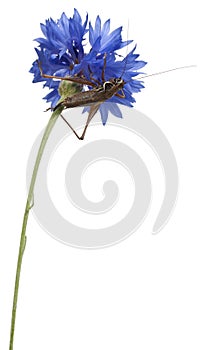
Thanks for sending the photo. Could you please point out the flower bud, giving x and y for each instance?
(67, 88)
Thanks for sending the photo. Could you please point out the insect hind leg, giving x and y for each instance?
(70, 126)
(92, 112)
(74, 79)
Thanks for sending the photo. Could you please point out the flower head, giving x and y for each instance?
(61, 53)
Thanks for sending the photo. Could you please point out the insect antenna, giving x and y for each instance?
(153, 74)
(166, 71)
(126, 58)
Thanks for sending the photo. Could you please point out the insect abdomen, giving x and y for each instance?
(80, 99)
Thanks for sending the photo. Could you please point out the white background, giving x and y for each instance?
(148, 291)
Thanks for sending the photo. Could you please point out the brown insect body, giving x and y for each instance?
(99, 93)
(96, 95)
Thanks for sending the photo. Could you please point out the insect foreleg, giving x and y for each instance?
(122, 95)
(103, 70)
(91, 77)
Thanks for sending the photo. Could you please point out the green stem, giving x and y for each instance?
(29, 205)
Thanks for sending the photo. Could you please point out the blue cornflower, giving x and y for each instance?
(61, 53)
